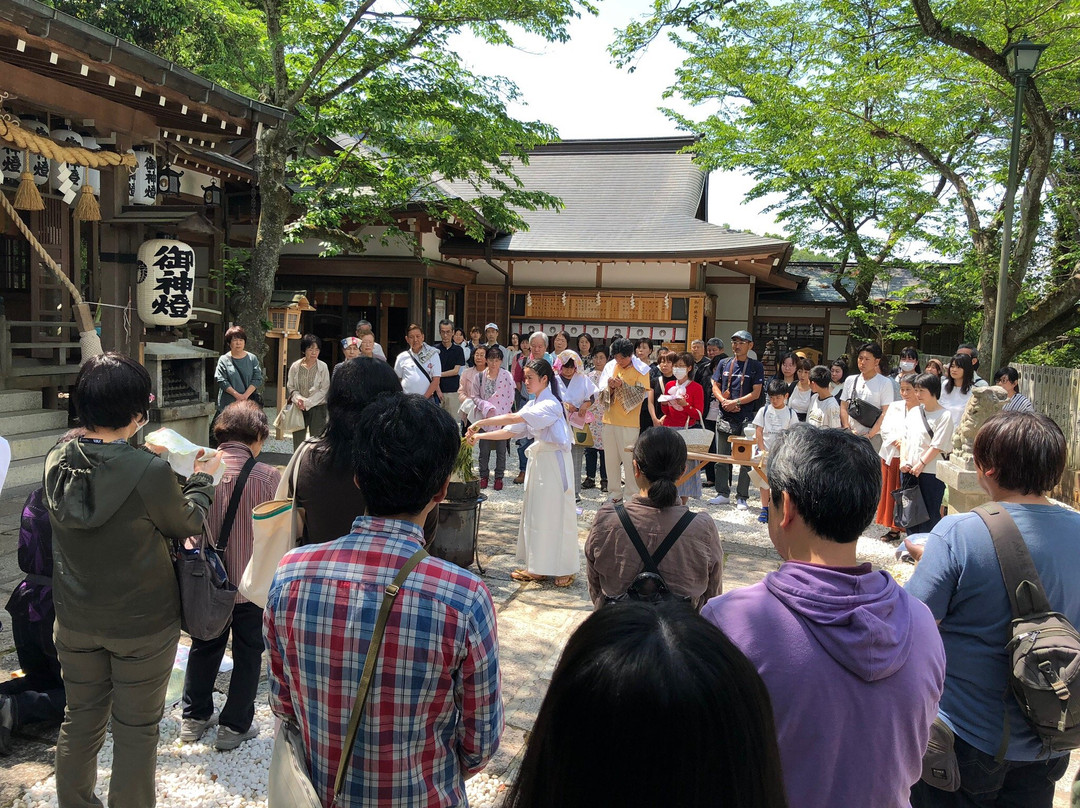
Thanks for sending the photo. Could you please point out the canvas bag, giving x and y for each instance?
(276, 527)
(1043, 647)
(207, 597)
(909, 507)
(289, 419)
(289, 784)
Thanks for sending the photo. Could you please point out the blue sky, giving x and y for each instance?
(575, 87)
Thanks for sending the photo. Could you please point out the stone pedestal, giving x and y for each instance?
(958, 472)
(964, 490)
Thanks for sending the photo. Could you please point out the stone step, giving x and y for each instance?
(25, 472)
(33, 444)
(13, 424)
(18, 400)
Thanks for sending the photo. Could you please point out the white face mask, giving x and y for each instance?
(140, 427)
(680, 373)
(907, 366)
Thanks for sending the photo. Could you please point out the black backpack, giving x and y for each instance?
(1043, 647)
(649, 585)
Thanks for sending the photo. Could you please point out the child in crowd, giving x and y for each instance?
(893, 426)
(770, 422)
(824, 411)
(928, 433)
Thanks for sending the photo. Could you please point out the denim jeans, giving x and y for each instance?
(205, 659)
(522, 445)
(985, 783)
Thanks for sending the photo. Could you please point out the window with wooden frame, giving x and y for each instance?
(14, 265)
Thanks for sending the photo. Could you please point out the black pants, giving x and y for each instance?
(985, 783)
(710, 468)
(39, 695)
(593, 458)
(202, 669)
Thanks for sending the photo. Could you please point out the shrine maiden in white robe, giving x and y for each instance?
(548, 535)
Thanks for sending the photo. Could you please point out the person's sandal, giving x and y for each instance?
(564, 581)
(526, 576)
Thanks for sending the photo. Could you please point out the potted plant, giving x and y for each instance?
(459, 514)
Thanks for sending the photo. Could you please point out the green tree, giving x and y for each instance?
(385, 75)
(885, 123)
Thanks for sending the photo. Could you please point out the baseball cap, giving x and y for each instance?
(491, 325)
(743, 335)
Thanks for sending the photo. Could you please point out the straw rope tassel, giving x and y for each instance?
(87, 209)
(27, 197)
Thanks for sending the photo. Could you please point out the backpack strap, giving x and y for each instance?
(673, 536)
(1022, 582)
(234, 505)
(635, 538)
(652, 561)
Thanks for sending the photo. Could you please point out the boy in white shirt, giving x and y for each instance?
(770, 422)
(824, 409)
(928, 433)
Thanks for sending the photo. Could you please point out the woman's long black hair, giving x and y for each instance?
(661, 456)
(356, 384)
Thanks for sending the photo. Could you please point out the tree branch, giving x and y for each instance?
(327, 54)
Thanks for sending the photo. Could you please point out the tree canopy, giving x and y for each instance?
(883, 126)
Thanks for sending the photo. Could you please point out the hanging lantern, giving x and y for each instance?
(93, 175)
(11, 164)
(211, 195)
(66, 179)
(166, 279)
(168, 181)
(39, 163)
(143, 187)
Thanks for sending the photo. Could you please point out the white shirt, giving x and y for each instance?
(774, 421)
(800, 400)
(824, 412)
(412, 378)
(955, 402)
(893, 426)
(545, 420)
(878, 391)
(917, 439)
(577, 391)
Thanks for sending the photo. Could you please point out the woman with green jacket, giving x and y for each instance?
(114, 511)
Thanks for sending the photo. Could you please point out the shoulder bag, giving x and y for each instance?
(649, 585)
(863, 411)
(437, 395)
(930, 430)
(290, 782)
(276, 527)
(207, 597)
(909, 507)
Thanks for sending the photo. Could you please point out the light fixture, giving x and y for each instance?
(212, 195)
(169, 180)
(1023, 57)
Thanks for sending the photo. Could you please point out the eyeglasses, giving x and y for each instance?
(740, 342)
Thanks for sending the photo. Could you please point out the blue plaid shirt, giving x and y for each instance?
(434, 712)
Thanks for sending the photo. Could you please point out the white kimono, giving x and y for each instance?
(548, 535)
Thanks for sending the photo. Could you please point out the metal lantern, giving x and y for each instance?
(169, 180)
(212, 195)
(66, 179)
(143, 187)
(39, 163)
(165, 282)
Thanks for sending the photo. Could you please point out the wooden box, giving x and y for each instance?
(741, 448)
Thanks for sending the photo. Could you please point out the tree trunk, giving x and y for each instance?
(272, 150)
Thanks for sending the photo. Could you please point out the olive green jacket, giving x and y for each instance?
(114, 511)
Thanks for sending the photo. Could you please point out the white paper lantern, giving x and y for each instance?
(39, 164)
(165, 282)
(67, 179)
(142, 187)
(93, 175)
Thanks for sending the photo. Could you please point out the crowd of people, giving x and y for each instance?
(821, 685)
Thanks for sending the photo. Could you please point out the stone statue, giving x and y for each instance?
(984, 403)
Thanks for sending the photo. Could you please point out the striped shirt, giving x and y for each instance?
(434, 710)
(261, 485)
(1018, 403)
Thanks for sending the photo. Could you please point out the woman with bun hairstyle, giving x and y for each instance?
(692, 568)
(547, 537)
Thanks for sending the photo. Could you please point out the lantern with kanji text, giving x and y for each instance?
(165, 282)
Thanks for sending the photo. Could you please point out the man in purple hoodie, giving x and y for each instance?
(854, 665)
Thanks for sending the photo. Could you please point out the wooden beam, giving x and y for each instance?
(599, 274)
(69, 102)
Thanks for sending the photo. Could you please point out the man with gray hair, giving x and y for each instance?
(825, 624)
(364, 327)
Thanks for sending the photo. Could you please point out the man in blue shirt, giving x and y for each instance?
(1019, 457)
(452, 359)
(736, 384)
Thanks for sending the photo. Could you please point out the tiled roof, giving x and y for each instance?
(818, 288)
(621, 197)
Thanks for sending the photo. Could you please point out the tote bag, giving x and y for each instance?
(276, 526)
(290, 419)
(289, 785)
(909, 508)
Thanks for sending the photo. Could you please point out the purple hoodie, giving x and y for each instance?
(855, 669)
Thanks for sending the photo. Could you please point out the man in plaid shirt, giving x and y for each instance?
(434, 713)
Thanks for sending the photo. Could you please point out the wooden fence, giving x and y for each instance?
(1056, 392)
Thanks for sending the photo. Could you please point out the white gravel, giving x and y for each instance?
(196, 774)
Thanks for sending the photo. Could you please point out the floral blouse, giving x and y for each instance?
(496, 396)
